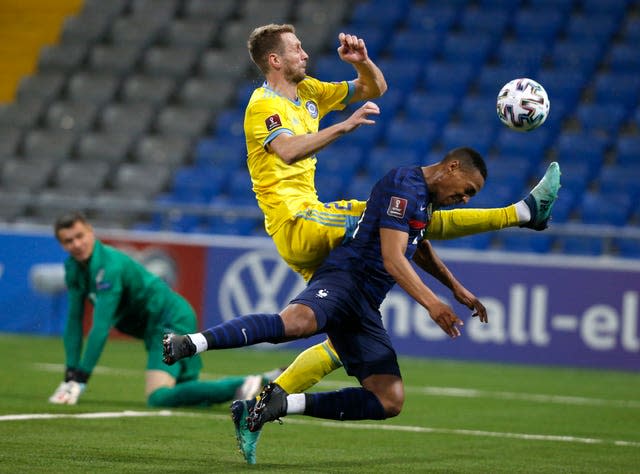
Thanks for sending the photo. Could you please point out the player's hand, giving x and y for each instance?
(361, 116)
(468, 299)
(444, 317)
(352, 49)
(67, 393)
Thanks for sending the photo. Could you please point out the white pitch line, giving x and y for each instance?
(428, 391)
(331, 424)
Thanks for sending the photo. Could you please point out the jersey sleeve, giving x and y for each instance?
(330, 95)
(266, 120)
(397, 206)
(105, 308)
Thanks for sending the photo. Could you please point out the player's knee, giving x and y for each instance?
(299, 321)
(392, 406)
(161, 398)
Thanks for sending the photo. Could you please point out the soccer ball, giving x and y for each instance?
(523, 104)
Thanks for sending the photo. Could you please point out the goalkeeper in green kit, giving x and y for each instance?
(128, 297)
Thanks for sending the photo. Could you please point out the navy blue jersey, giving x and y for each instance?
(400, 201)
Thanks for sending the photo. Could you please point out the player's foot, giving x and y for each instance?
(175, 347)
(271, 406)
(246, 439)
(542, 197)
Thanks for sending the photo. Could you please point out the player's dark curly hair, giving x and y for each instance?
(68, 220)
(468, 158)
(265, 40)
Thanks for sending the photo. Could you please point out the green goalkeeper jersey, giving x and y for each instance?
(124, 295)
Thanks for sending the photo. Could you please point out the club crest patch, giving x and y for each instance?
(397, 207)
(273, 122)
(312, 108)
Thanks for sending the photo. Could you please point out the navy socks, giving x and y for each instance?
(353, 403)
(245, 331)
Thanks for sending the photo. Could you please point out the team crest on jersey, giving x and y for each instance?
(273, 122)
(322, 293)
(397, 207)
(100, 283)
(312, 108)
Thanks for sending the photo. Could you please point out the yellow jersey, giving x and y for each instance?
(283, 189)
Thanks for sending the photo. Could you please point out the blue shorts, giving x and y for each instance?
(353, 325)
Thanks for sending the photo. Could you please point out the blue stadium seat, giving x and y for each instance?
(239, 188)
(232, 225)
(476, 109)
(401, 74)
(504, 168)
(430, 106)
(475, 242)
(582, 147)
(360, 187)
(620, 88)
(523, 54)
(329, 188)
(531, 145)
(631, 29)
(609, 8)
(627, 247)
(540, 25)
(524, 241)
(448, 77)
(581, 245)
(601, 117)
(507, 5)
(562, 6)
(576, 175)
(610, 208)
(384, 158)
(564, 84)
(492, 21)
(415, 44)
(230, 123)
(328, 67)
(580, 55)
(220, 154)
(197, 184)
(417, 135)
(479, 137)
(624, 179)
(340, 160)
(591, 26)
(433, 18)
(493, 77)
(624, 57)
(472, 48)
(565, 205)
(627, 150)
(381, 14)
(375, 38)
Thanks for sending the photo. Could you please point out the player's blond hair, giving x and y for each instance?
(265, 40)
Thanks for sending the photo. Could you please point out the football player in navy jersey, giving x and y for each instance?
(344, 296)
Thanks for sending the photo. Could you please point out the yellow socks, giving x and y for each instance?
(309, 368)
(461, 222)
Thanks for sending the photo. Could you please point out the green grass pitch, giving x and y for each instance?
(459, 417)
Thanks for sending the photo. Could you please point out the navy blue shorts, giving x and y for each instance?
(352, 323)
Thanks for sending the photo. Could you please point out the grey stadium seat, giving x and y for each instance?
(185, 121)
(10, 138)
(74, 116)
(45, 86)
(92, 87)
(133, 119)
(24, 113)
(134, 30)
(113, 209)
(220, 10)
(63, 57)
(85, 176)
(148, 89)
(49, 204)
(163, 150)
(52, 144)
(192, 33)
(86, 27)
(261, 12)
(235, 34)
(175, 62)
(13, 204)
(223, 64)
(154, 10)
(145, 180)
(327, 12)
(120, 59)
(25, 175)
(210, 93)
(106, 147)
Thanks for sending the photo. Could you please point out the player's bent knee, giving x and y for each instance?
(392, 407)
(299, 321)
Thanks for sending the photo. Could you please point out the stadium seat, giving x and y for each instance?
(120, 59)
(437, 18)
(621, 88)
(340, 160)
(576, 175)
(171, 151)
(212, 94)
(492, 77)
(186, 121)
(480, 137)
(13, 204)
(218, 63)
(22, 114)
(381, 14)
(63, 57)
(154, 10)
(532, 145)
(611, 208)
(627, 247)
(601, 117)
(430, 106)
(230, 124)
(523, 241)
(220, 154)
(134, 30)
(583, 147)
(196, 33)
(329, 12)
(147, 89)
(600, 26)
(140, 180)
(530, 24)
(623, 57)
(360, 187)
(328, 67)
(448, 77)
(630, 31)
(87, 27)
(197, 184)
(473, 49)
(413, 44)
(627, 150)
(492, 21)
(10, 139)
(234, 35)
(478, 109)
(475, 242)
(581, 245)
(25, 175)
(132, 119)
(98, 88)
(219, 10)
(84, 176)
(116, 209)
(408, 133)
(262, 12)
(78, 117)
(105, 147)
(169, 61)
(401, 74)
(383, 159)
(564, 83)
(54, 145)
(624, 179)
(575, 55)
(523, 54)
(50, 203)
(45, 86)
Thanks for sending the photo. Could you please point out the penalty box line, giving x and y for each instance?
(330, 424)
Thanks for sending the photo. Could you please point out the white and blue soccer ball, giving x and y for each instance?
(523, 104)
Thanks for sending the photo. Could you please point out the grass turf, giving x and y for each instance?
(481, 427)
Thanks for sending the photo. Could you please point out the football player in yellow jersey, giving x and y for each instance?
(283, 136)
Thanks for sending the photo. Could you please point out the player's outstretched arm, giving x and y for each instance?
(427, 259)
(291, 148)
(370, 82)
